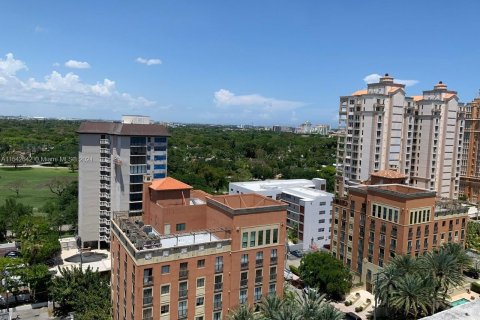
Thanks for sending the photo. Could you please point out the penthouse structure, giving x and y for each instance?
(377, 222)
(470, 170)
(309, 211)
(195, 256)
(383, 129)
(113, 158)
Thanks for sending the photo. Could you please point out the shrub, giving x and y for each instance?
(475, 287)
(359, 309)
(294, 270)
(348, 303)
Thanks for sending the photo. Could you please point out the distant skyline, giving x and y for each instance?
(227, 62)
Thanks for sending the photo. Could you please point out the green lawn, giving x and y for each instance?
(34, 192)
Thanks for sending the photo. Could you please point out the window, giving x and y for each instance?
(260, 238)
(218, 264)
(165, 309)
(199, 318)
(201, 263)
(147, 296)
(243, 296)
(147, 276)
(275, 236)
(200, 301)
(272, 289)
(200, 282)
(258, 293)
(252, 238)
(165, 289)
(182, 309)
(180, 227)
(244, 239)
(147, 313)
(267, 236)
(217, 316)
(321, 221)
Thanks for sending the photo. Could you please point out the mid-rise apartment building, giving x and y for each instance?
(195, 256)
(470, 170)
(381, 128)
(112, 160)
(309, 211)
(377, 222)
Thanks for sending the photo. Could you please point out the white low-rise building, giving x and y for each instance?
(309, 206)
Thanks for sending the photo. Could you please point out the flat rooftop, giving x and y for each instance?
(307, 194)
(466, 311)
(398, 190)
(274, 184)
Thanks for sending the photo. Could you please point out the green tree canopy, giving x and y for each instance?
(323, 271)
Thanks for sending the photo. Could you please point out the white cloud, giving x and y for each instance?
(224, 97)
(74, 64)
(56, 91)
(10, 65)
(148, 62)
(39, 29)
(375, 77)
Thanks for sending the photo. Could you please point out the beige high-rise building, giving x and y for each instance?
(470, 170)
(383, 129)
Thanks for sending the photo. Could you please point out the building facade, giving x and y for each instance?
(470, 170)
(377, 222)
(309, 211)
(383, 129)
(113, 158)
(196, 256)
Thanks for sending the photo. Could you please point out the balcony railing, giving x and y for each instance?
(243, 283)
(217, 305)
(258, 279)
(182, 314)
(182, 294)
(182, 274)
(259, 262)
(148, 281)
(104, 141)
(218, 286)
(244, 265)
(273, 277)
(147, 300)
(273, 260)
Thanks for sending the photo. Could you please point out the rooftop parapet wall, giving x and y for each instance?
(245, 204)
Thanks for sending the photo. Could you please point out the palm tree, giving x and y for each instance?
(385, 284)
(242, 313)
(271, 306)
(404, 264)
(312, 306)
(457, 251)
(410, 295)
(444, 270)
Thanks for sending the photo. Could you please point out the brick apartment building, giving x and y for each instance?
(195, 256)
(379, 221)
(470, 169)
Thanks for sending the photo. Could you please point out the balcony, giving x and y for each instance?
(218, 268)
(273, 277)
(104, 150)
(104, 141)
(105, 204)
(217, 305)
(183, 274)
(218, 286)
(105, 195)
(105, 168)
(103, 229)
(259, 262)
(182, 314)
(244, 265)
(273, 260)
(148, 281)
(182, 294)
(244, 283)
(105, 177)
(258, 279)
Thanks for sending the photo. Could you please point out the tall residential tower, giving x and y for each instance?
(470, 173)
(383, 129)
(113, 159)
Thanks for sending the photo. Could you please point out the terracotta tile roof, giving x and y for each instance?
(360, 92)
(168, 184)
(417, 98)
(389, 174)
(448, 96)
(123, 129)
(393, 89)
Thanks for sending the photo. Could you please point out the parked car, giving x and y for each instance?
(13, 254)
(297, 253)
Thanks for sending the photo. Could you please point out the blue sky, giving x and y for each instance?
(231, 62)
